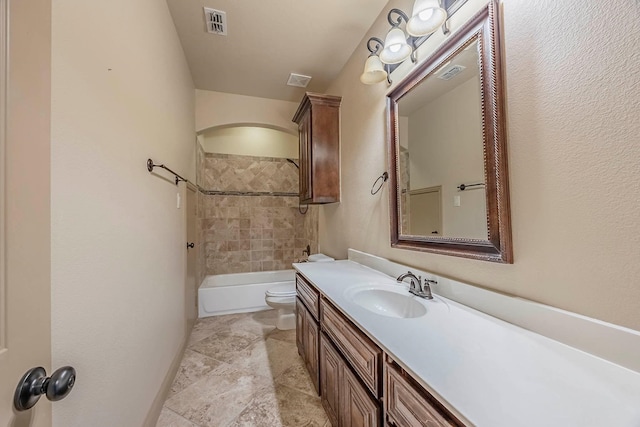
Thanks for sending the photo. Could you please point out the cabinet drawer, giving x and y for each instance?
(409, 405)
(362, 353)
(308, 294)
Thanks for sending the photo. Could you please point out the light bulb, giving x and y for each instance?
(426, 14)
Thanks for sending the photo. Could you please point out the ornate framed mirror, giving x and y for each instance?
(448, 151)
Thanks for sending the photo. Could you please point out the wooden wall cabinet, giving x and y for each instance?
(318, 120)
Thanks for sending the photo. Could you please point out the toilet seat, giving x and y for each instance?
(286, 290)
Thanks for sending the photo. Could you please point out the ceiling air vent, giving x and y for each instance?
(450, 72)
(298, 80)
(216, 21)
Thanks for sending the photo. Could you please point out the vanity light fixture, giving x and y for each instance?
(396, 48)
(374, 70)
(427, 16)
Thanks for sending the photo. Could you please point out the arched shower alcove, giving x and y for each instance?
(248, 216)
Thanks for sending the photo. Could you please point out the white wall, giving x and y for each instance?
(121, 92)
(250, 141)
(220, 109)
(445, 148)
(573, 96)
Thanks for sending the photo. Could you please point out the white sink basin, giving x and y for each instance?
(386, 302)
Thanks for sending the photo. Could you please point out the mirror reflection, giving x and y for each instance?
(441, 153)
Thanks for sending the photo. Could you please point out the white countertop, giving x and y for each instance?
(487, 371)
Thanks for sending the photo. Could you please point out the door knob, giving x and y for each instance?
(190, 245)
(35, 383)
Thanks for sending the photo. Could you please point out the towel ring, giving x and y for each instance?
(379, 183)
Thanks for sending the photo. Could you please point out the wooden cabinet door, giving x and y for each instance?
(363, 355)
(300, 316)
(311, 340)
(330, 381)
(358, 409)
(304, 133)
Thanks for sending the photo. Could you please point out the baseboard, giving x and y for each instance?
(156, 407)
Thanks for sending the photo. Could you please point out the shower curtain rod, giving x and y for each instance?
(246, 193)
(151, 165)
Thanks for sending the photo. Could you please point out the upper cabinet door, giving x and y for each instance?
(318, 119)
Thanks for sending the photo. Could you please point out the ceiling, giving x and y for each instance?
(269, 39)
(432, 87)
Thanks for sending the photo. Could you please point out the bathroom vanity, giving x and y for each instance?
(381, 357)
(356, 380)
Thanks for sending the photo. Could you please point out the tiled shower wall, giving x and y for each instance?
(244, 233)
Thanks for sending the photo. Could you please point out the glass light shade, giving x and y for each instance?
(427, 16)
(396, 48)
(374, 71)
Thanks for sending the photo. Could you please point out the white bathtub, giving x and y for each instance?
(238, 293)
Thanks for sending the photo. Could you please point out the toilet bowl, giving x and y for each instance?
(283, 298)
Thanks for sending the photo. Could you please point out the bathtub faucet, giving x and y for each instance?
(307, 251)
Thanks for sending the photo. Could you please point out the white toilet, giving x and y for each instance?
(283, 298)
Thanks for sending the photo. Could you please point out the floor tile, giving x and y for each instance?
(168, 418)
(225, 345)
(260, 323)
(239, 370)
(284, 407)
(219, 397)
(208, 326)
(288, 336)
(268, 358)
(297, 377)
(192, 368)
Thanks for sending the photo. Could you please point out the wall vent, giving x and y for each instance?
(298, 80)
(216, 21)
(450, 72)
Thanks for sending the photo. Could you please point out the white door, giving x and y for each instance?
(25, 224)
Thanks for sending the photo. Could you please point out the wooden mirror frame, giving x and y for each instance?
(483, 27)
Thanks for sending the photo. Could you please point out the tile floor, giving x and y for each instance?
(239, 370)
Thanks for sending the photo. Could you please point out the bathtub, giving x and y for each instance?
(238, 293)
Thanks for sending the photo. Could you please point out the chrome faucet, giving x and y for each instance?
(415, 285)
